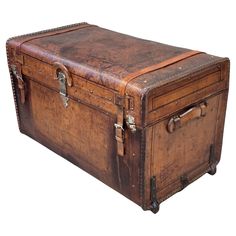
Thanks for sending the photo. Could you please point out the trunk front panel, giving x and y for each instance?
(83, 133)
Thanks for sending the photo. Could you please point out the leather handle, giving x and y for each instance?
(59, 67)
(184, 118)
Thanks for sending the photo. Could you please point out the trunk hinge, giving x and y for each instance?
(20, 82)
(154, 203)
(212, 160)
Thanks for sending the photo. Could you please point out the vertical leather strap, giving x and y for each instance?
(120, 131)
(127, 79)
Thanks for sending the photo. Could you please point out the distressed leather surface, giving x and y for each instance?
(98, 61)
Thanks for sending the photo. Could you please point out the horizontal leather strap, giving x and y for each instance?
(122, 89)
(49, 33)
(151, 68)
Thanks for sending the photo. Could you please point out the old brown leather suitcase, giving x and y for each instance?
(145, 118)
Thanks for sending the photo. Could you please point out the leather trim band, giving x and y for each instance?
(120, 109)
(50, 33)
(157, 66)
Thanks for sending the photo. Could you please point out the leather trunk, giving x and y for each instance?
(143, 117)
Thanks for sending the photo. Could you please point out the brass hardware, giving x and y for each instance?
(130, 121)
(63, 76)
(63, 90)
(117, 126)
(61, 68)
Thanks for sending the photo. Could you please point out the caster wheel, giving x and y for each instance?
(212, 171)
(155, 207)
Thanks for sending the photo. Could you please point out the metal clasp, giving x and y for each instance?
(63, 90)
(117, 126)
(20, 82)
(131, 123)
(62, 74)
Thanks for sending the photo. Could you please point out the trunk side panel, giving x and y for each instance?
(186, 151)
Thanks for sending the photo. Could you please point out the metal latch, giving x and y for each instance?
(130, 122)
(20, 82)
(63, 90)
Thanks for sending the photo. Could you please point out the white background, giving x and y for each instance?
(43, 194)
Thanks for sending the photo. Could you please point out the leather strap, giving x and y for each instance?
(28, 38)
(19, 60)
(128, 79)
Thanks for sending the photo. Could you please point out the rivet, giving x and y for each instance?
(133, 154)
(180, 68)
(145, 81)
(91, 91)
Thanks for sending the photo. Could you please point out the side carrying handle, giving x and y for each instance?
(182, 119)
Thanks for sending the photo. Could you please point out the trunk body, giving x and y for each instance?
(143, 117)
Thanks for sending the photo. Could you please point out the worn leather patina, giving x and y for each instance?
(143, 117)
